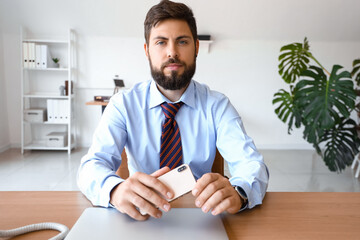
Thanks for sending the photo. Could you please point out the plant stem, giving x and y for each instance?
(313, 58)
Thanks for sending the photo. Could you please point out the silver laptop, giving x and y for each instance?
(179, 223)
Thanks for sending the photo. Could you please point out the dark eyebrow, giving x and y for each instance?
(164, 38)
(161, 38)
(184, 36)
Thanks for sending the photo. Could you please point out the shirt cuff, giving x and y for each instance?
(110, 184)
(245, 186)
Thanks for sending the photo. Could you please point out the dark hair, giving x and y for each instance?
(169, 10)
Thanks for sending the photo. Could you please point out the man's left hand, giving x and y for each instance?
(213, 191)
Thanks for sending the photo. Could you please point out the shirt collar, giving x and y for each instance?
(156, 97)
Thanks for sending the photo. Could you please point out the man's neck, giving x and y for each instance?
(172, 95)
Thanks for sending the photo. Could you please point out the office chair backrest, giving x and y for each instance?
(123, 170)
(218, 165)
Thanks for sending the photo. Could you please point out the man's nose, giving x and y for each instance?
(172, 51)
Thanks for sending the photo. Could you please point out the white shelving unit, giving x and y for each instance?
(40, 84)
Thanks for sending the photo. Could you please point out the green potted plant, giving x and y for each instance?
(56, 61)
(355, 73)
(321, 102)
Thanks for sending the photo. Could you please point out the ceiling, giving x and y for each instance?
(319, 20)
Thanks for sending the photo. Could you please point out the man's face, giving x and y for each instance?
(172, 54)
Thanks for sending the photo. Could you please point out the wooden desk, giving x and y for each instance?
(102, 104)
(282, 215)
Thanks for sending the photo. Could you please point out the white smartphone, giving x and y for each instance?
(180, 180)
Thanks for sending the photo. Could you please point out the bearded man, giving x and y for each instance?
(165, 122)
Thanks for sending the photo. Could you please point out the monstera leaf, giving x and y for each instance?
(341, 145)
(286, 110)
(312, 134)
(324, 102)
(355, 73)
(319, 102)
(293, 60)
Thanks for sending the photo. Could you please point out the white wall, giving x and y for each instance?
(11, 55)
(4, 133)
(245, 69)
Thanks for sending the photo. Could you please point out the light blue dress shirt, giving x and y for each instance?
(207, 121)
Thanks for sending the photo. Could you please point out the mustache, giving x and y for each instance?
(171, 61)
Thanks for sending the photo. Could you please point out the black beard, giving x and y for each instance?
(175, 81)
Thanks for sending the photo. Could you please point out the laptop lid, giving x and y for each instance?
(179, 223)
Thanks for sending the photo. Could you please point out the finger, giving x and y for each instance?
(203, 182)
(208, 192)
(160, 172)
(151, 198)
(155, 184)
(230, 204)
(144, 207)
(134, 213)
(215, 199)
(129, 209)
(126, 197)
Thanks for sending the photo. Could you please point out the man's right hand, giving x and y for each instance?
(142, 191)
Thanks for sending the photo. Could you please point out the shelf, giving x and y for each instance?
(46, 95)
(47, 123)
(46, 41)
(47, 69)
(41, 145)
(206, 44)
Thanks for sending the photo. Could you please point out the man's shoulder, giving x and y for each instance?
(204, 91)
(132, 95)
(138, 89)
(215, 102)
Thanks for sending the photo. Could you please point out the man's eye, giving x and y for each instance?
(160, 43)
(183, 42)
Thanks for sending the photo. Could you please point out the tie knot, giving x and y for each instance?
(171, 109)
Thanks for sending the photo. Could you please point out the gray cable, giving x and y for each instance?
(37, 227)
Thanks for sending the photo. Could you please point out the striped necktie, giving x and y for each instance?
(171, 150)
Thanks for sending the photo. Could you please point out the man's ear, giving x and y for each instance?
(146, 48)
(197, 47)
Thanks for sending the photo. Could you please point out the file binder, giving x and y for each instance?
(50, 110)
(44, 56)
(31, 55)
(58, 111)
(26, 54)
(38, 56)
